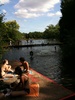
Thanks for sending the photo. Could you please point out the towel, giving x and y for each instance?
(34, 90)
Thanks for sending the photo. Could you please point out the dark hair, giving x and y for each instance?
(18, 70)
(4, 61)
(21, 59)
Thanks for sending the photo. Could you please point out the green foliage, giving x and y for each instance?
(35, 35)
(51, 32)
(12, 28)
(2, 34)
(12, 25)
(8, 31)
(67, 31)
(67, 21)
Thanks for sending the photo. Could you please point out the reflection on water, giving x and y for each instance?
(45, 59)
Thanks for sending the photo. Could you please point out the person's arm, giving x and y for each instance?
(27, 66)
(8, 68)
(2, 72)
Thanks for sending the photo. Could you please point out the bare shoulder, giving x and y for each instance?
(26, 62)
(3, 66)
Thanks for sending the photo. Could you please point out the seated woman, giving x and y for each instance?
(6, 70)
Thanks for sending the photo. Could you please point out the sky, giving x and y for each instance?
(31, 15)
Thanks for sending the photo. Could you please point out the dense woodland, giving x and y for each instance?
(64, 31)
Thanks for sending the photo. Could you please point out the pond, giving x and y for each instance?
(45, 59)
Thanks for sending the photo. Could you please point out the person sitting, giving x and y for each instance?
(24, 80)
(6, 70)
(24, 65)
(23, 74)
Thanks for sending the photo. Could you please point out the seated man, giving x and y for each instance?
(24, 65)
(23, 72)
(24, 80)
(6, 70)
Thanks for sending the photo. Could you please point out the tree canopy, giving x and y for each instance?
(12, 30)
(67, 31)
(51, 32)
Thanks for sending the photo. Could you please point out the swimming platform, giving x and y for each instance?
(42, 88)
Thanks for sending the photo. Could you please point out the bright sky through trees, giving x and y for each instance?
(32, 15)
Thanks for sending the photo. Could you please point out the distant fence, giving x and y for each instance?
(32, 45)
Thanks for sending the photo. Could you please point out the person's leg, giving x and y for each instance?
(23, 79)
(8, 75)
(27, 88)
(25, 83)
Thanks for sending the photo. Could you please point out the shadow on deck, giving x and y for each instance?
(48, 89)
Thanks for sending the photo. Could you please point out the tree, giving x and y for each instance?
(51, 32)
(2, 33)
(12, 30)
(2, 29)
(68, 18)
(67, 32)
(35, 35)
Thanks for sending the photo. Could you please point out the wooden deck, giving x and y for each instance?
(48, 89)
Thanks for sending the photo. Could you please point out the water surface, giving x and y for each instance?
(45, 60)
